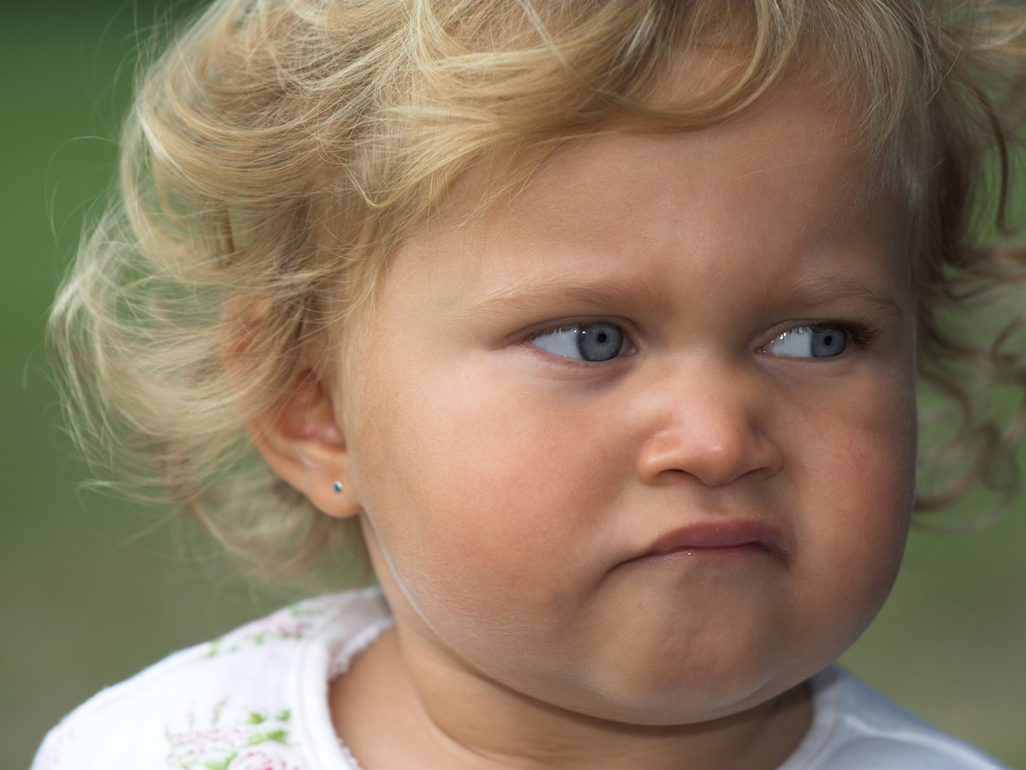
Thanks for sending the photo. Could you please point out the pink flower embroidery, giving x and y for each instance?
(288, 623)
(268, 756)
(245, 740)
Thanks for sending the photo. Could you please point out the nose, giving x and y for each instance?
(707, 425)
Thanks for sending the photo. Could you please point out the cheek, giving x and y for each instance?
(860, 442)
(856, 485)
(880, 453)
(488, 486)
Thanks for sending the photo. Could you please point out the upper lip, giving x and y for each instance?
(718, 534)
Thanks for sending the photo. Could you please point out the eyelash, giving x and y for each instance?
(861, 334)
(569, 324)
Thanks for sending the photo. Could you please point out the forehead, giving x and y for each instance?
(789, 155)
(779, 180)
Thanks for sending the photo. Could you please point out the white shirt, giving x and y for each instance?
(257, 699)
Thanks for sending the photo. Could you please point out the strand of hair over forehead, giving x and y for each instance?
(278, 152)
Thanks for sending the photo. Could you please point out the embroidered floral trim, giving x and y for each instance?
(254, 741)
(288, 623)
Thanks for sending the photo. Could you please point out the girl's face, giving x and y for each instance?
(641, 444)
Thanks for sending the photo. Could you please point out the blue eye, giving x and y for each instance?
(810, 342)
(583, 342)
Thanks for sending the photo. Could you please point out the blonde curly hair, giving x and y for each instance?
(278, 152)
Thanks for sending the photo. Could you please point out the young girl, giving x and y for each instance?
(594, 326)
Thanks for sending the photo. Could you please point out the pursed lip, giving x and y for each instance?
(726, 536)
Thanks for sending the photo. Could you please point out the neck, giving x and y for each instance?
(450, 716)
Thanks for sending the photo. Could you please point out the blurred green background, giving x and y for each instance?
(93, 589)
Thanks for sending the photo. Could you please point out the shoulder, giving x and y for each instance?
(207, 706)
(854, 726)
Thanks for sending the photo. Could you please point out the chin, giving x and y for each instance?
(665, 698)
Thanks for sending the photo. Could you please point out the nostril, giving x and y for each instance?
(713, 460)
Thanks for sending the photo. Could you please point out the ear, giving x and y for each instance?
(304, 445)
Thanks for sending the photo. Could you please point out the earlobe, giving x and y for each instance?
(303, 444)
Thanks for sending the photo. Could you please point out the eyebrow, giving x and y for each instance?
(809, 291)
(824, 290)
(539, 288)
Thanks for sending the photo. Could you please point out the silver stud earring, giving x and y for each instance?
(337, 486)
